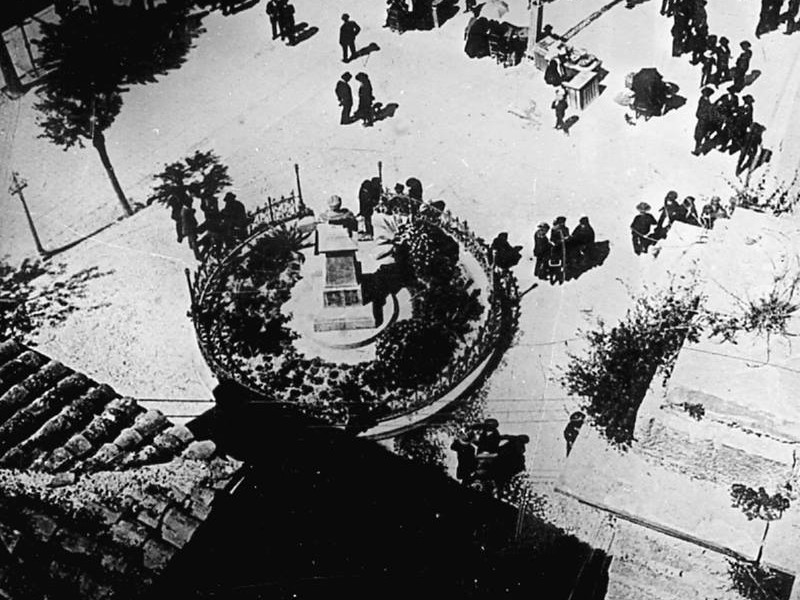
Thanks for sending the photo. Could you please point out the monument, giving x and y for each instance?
(342, 298)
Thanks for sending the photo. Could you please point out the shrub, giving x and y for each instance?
(427, 251)
(413, 351)
(201, 176)
(614, 373)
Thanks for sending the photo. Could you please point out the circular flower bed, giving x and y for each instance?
(244, 334)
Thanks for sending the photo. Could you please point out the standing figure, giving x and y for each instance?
(725, 108)
(559, 107)
(667, 7)
(189, 226)
(558, 237)
(791, 16)
(541, 250)
(769, 17)
(347, 37)
(554, 73)
(234, 219)
(466, 452)
(414, 186)
(670, 212)
(273, 12)
(366, 206)
(573, 428)
(742, 119)
(365, 100)
(345, 97)
(709, 58)
(741, 66)
(723, 61)
(642, 225)
(751, 149)
(705, 120)
(581, 241)
(502, 254)
(286, 17)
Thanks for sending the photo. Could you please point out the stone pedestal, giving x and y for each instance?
(342, 299)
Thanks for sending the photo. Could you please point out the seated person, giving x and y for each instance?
(336, 215)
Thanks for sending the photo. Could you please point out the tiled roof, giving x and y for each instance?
(97, 494)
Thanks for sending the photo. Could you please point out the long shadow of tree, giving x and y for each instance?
(91, 59)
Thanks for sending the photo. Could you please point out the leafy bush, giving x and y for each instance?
(613, 374)
(758, 504)
(754, 582)
(450, 303)
(427, 250)
(413, 351)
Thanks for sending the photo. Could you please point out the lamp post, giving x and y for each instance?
(15, 189)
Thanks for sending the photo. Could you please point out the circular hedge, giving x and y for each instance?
(245, 337)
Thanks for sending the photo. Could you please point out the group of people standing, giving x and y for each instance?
(222, 228)
(487, 459)
(555, 249)
(646, 230)
(727, 124)
(281, 19)
(365, 111)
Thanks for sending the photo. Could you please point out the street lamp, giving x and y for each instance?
(18, 184)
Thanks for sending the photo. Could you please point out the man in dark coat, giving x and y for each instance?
(273, 12)
(641, 226)
(189, 226)
(791, 16)
(581, 240)
(286, 16)
(742, 119)
(725, 108)
(365, 100)
(234, 218)
(752, 148)
(347, 37)
(705, 119)
(742, 65)
(559, 107)
(345, 97)
(541, 250)
(366, 205)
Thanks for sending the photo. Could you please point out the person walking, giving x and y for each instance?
(559, 107)
(725, 108)
(345, 97)
(723, 61)
(642, 225)
(286, 16)
(558, 237)
(347, 37)
(541, 250)
(742, 119)
(189, 226)
(365, 100)
(273, 12)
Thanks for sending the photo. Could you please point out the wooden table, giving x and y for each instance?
(582, 89)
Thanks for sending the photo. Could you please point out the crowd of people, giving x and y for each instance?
(727, 122)
(557, 251)
(487, 459)
(646, 230)
(221, 228)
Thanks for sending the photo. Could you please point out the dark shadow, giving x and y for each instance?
(634, 3)
(750, 78)
(446, 10)
(569, 123)
(303, 33)
(72, 244)
(385, 112)
(237, 7)
(321, 514)
(673, 102)
(372, 47)
(578, 263)
(532, 287)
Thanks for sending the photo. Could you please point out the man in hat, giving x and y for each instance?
(541, 250)
(559, 107)
(345, 97)
(725, 108)
(581, 240)
(234, 219)
(286, 17)
(742, 119)
(791, 15)
(642, 225)
(273, 12)
(189, 226)
(347, 37)
(705, 119)
(742, 66)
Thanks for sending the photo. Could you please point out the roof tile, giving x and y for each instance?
(10, 349)
(157, 554)
(200, 450)
(31, 387)
(20, 367)
(129, 534)
(178, 527)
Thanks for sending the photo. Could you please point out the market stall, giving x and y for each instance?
(581, 69)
